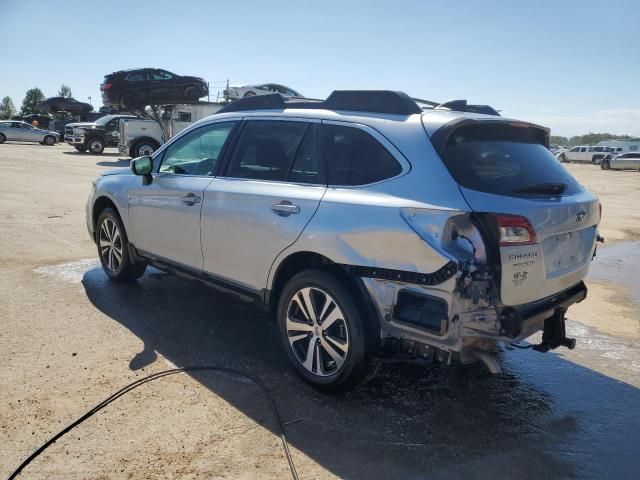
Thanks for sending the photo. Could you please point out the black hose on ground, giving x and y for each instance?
(150, 378)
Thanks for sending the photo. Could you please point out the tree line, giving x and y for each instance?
(30, 102)
(588, 139)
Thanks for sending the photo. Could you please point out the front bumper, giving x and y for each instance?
(74, 139)
(123, 149)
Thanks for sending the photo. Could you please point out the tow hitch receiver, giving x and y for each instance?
(554, 334)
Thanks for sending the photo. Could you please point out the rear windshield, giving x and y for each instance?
(506, 160)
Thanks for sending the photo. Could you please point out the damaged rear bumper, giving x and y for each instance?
(435, 322)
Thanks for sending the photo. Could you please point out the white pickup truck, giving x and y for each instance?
(140, 137)
(587, 154)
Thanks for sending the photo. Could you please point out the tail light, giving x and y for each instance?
(515, 230)
(599, 211)
(105, 86)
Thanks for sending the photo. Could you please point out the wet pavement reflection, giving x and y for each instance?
(547, 416)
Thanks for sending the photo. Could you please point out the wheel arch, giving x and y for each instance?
(99, 205)
(307, 260)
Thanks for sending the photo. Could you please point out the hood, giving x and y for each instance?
(117, 171)
(195, 79)
(82, 124)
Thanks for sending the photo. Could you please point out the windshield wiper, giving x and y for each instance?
(545, 188)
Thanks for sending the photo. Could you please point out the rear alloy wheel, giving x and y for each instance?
(95, 146)
(604, 165)
(322, 331)
(113, 249)
(49, 140)
(2, 138)
(128, 100)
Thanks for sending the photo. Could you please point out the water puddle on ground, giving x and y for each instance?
(70, 272)
(619, 264)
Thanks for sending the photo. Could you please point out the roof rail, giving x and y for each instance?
(375, 101)
(462, 106)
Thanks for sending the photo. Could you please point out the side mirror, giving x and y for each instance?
(143, 166)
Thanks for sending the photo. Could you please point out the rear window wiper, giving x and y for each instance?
(544, 188)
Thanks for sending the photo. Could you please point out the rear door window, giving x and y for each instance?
(354, 157)
(266, 150)
(505, 160)
(137, 77)
(308, 166)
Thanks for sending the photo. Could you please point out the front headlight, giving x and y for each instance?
(78, 131)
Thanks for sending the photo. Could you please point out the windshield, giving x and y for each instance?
(104, 120)
(505, 160)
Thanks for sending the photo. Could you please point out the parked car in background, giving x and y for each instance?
(14, 130)
(94, 137)
(63, 104)
(621, 161)
(233, 93)
(585, 154)
(129, 89)
(433, 234)
(140, 137)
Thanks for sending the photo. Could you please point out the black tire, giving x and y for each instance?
(49, 140)
(604, 165)
(80, 148)
(127, 269)
(2, 138)
(128, 100)
(95, 146)
(144, 147)
(347, 329)
(192, 93)
(249, 94)
(562, 158)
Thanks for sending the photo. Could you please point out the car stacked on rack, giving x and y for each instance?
(134, 89)
(243, 91)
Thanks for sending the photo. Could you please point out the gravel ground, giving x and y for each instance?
(69, 338)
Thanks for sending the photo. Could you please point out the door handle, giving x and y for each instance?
(285, 208)
(191, 199)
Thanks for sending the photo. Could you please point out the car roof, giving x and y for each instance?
(431, 119)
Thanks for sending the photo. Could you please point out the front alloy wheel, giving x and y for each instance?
(317, 331)
(110, 245)
(113, 248)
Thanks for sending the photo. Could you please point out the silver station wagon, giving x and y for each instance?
(371, 225)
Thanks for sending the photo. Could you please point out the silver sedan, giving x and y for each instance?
(23, 132)
(243, 91)
(623, 161)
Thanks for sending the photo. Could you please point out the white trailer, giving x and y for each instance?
(140, 137)
(621, 145)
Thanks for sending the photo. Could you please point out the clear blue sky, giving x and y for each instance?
(571, 65)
